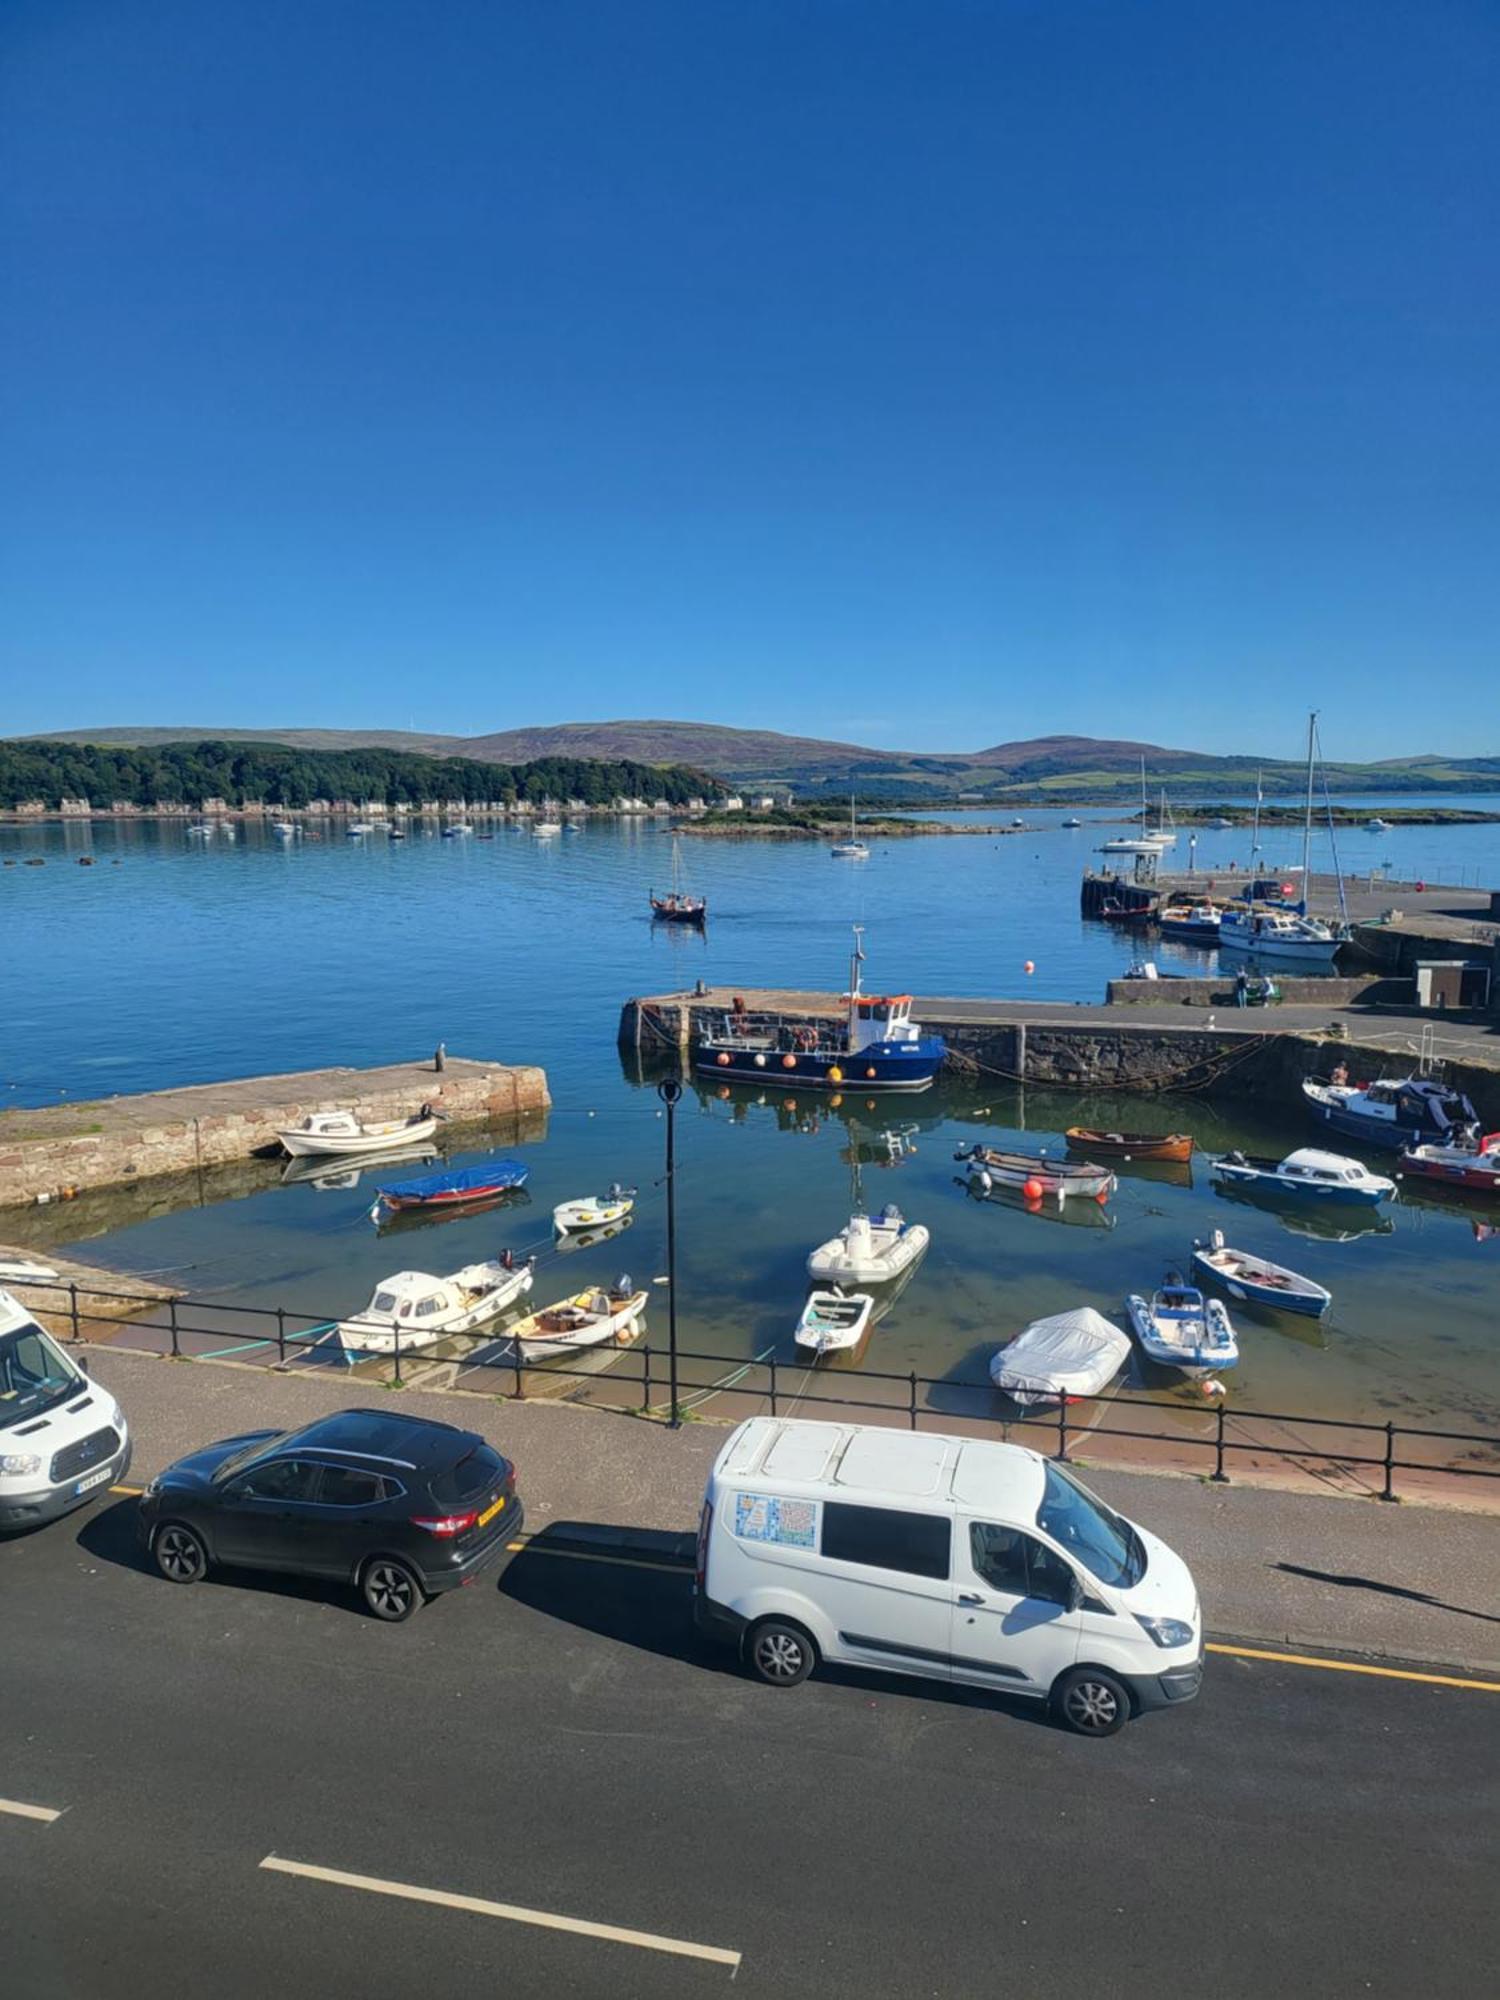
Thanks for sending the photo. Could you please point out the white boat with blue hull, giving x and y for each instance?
(1394, 1112)
(877, 1046)
(1257, 1281)
(1178, 1327)
(1326, 1180)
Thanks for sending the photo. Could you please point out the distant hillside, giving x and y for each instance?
(1100, 770)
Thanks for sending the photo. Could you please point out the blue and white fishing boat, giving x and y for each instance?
(1324, 1179)
(1394, 1112)
(1257, 1280)
(452, 1189)
(1180, 1328)
(877, 1046)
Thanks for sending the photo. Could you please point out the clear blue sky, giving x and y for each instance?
(921, 372)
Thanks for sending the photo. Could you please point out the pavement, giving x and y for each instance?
(544, 1786)
(1410, 1581)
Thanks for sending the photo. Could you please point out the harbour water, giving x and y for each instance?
(190, 961)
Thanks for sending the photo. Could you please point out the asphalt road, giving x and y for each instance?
(555, 1740)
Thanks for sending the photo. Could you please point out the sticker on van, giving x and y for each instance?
(761, 1517)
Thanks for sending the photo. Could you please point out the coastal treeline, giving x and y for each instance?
(273, 774)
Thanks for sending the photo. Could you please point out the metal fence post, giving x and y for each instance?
(518, 1363)
(280, 1337)
(913, 1404)
(1219, 1475)
(172, 1323)
(646, 1378)
(669, 1091)
(1389, 1490)
(773, 1385)
(73, 1307)
(396, 1351)
(1062, 1427)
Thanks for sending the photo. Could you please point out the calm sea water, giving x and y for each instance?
(188, 962)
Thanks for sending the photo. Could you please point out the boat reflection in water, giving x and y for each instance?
(1086, 1213)
(392, 1221)
(327, 1173)
(1322, 1225)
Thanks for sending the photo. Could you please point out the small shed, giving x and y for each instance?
(1452, 983)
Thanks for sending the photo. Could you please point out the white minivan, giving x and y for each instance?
(63, 1438)
(955, 1558)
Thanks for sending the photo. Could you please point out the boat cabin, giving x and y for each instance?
(880, 1018)
(331, 1125)
(414, 1297)
(1330, 1168)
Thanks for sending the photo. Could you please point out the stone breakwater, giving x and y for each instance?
(51, 1153)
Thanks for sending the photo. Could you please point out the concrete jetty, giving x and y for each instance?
(60, 1150)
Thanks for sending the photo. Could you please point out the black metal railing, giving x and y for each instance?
(784, 1387)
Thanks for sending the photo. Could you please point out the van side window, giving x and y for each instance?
(886, 1539)
(1014, 1563)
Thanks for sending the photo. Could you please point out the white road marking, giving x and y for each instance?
(478, 1906)
(44, 1813)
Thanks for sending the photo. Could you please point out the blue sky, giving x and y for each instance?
(919, 372)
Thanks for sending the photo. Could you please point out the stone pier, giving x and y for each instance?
(61, 1150)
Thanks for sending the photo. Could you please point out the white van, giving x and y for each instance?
(954, 1558)
(63, 1438)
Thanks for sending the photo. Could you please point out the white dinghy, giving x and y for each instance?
(833, 1322)
(421, 1309)
(586, 1320)
(342, 1132)
(1069, 1354)
(869, 1250)
(594, 1211)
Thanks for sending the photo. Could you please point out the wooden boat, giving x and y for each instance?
(1055, 1178)
(1178, 1327)
(1053, 1360)
(1473, 1168)
(1132, 1145)
(1326, 1179)
(323, 1132)
(1258, 1280)
(455, 1189)
(594, 1211)
(419, 1310)
(1127, 913)
(870, 1250)
(588, 1319)
(834, 1321)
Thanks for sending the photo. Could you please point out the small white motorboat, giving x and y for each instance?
(586, 1320)
(595, 1211)
(21, 1270)
(868, 1251)
(546, 829)
(421, 1309)
(1066, 1355)
(342, 1132)
(1180, 1328)
(834, 1321)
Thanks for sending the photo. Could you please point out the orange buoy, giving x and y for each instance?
(788, 1062)
(723, 1059)
(835, 1074)
(1032, 1190)
(870, 1072)
(1029, 967)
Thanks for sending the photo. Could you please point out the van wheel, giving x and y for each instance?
(1091, 1702)
(780, 1654)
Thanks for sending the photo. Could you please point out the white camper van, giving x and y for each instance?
(63, 1438)
(953, 1558)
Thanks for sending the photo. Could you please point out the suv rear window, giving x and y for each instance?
(476, 1474)
(886, 1539)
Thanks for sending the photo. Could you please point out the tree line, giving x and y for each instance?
(277, 775)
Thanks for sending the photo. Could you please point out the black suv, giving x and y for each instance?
(398, 1506)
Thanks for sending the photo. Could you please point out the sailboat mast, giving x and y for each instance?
(856, 957)
(1255, 829)
(1312, 724)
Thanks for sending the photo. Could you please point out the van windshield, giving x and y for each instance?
(1101, 1540)
(34, 1374)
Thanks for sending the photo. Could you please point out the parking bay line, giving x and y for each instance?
(19, 1810)
(1351, 1667)
(512, 1912)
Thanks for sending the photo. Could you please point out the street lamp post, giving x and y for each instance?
(669, 1091)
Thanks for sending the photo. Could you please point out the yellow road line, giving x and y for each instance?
(1352, 1667)
(20, 1811)
(512, 1912)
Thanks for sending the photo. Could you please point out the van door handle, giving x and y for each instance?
(970, 1597)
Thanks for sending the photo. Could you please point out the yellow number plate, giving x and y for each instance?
(492, 1510)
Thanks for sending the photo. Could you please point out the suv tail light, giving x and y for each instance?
(705, 1522)
(445, 1525)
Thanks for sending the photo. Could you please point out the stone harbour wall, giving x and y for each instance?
(51, 1153)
